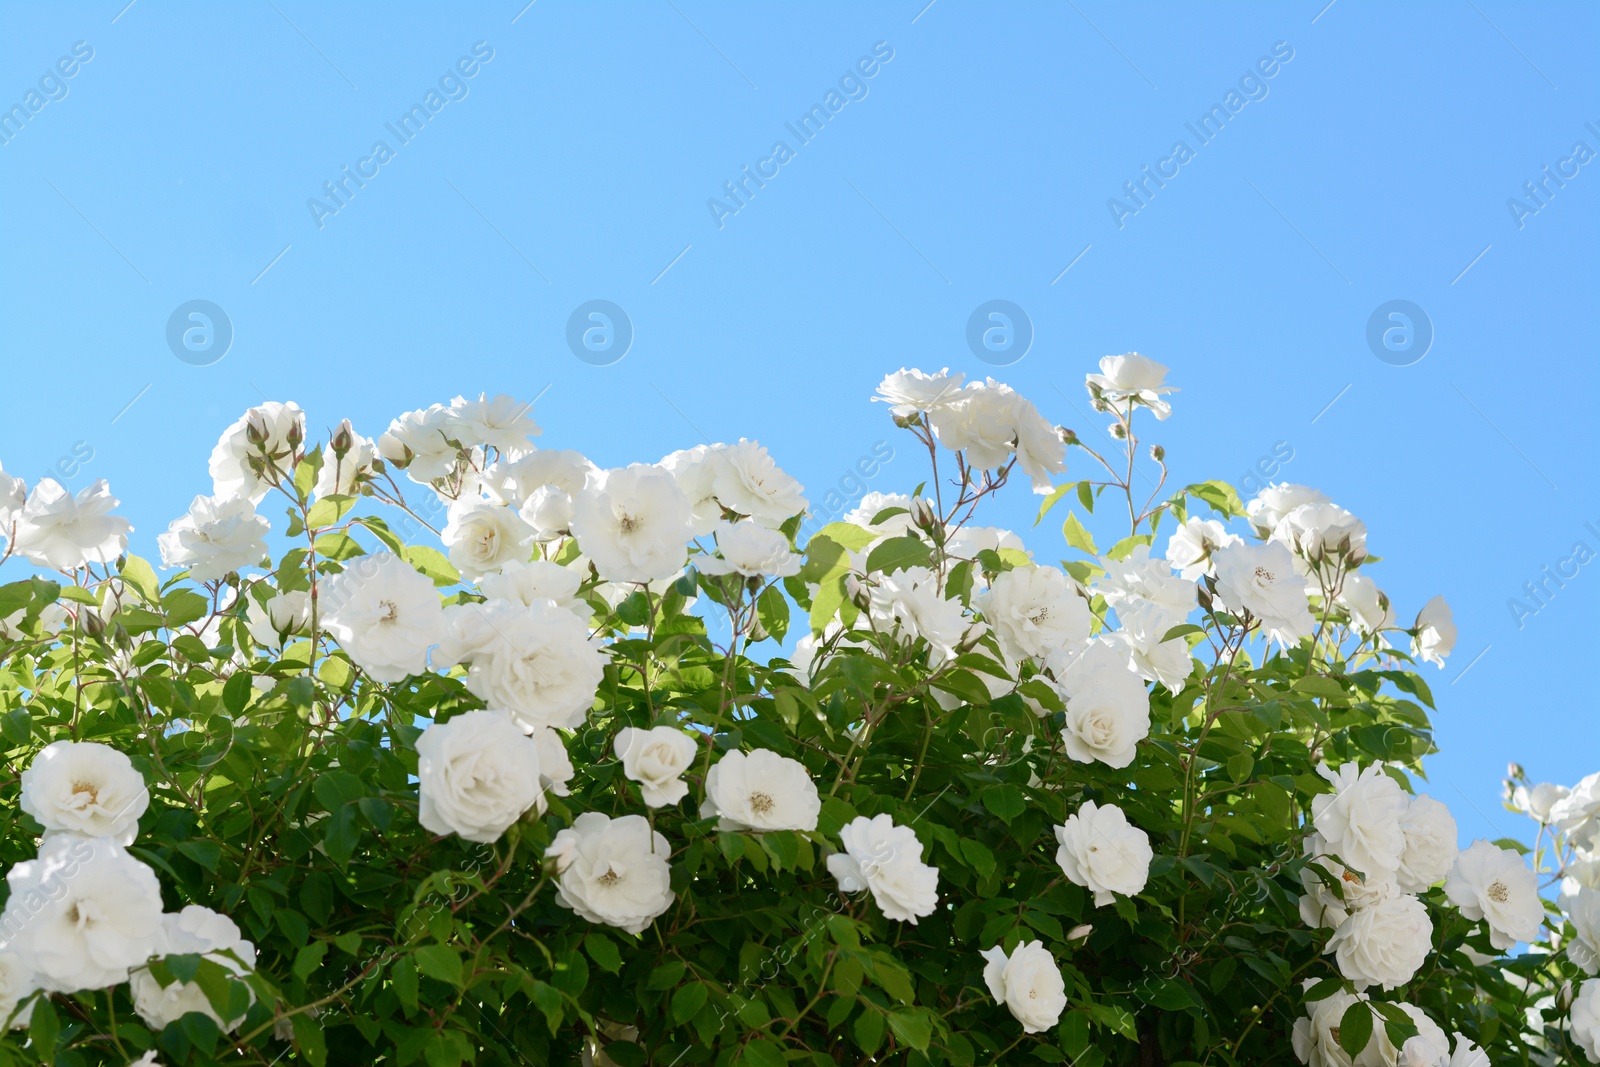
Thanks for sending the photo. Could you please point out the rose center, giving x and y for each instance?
(610, 878)
(1498, 892)
(627, 523)
(761, 803)
(1265, 575)
(387, 611)
(86, 789)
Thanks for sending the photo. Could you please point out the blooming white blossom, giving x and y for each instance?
(425, 443)
(284, 614)
(1384, 943)
(534, 661)
(1275, 501)
(1035, 611)
(909, 601)
(17, 984)
(195, 930)
(1585, 1025)
(1538, 801)
(61, 531)
(1262, 580)
(613, 871)
(82, 913)
(1467, 1054)
(968, 541)
(991, 422)
(13, 494)
(1428, 1047)
(1576, 812)
(85, 788)
(1430, 849)
(555, 766)
(695, 472)
(1132, 377)
(747, 481)
(541, 484)
(1149, 599)
(217, 536)
(887, 859)
(526, 582)
(633, 522)
(476, 775)
(341, 475)
(1495, 885)
(257, 450)
(1315, 1037)
(1435, 632)
(873, 504)
(1323, 530)
(1360, 821)
(1166, 662)
(656, 759)
(482, 537)
(761, 790)
(1367, 604)
(384, 614)
(751, 550)
(910, 391)
(1028, 982)
(1189, 550)
(1108, 707)
(501, 422)
(1101, 851)
(1320, 906)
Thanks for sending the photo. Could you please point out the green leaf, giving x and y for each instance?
(688, 1001)
(1050, 501)
(913, 1027)
(43, 1029)
(432, 563)
(898, 553)
(1355, 1028)
(847, 535)
(441, 962)
(308, 1038)
(309, 958)
(337, 788)
(403, 976)
(1324, 989)
(825, 603)
(665, 976)
(868, 1029)
(772, 610)
(603, 951)
(978, 857)
(138, 574)
(1219, 495)
(762, 1052)
(205, 853)
(1006, 802)
(329, 510)
(825, 559)
(1077, 536)
(1239, 767)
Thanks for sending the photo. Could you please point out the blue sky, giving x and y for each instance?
(984, 157)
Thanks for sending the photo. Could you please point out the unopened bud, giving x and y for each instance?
(1204, 595)
(1514, 769)
(1158, 453)
(1068, 437)
(343, 438)
(296, 434)
(905, 422)
(922, 514)
(1118, 431)
(1078, 933)
(1564, 997)
(970, 639)
(92, 623)
(255, 429)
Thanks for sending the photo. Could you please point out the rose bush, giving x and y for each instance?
(484, 754)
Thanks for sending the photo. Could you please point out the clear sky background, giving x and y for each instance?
(976, 164)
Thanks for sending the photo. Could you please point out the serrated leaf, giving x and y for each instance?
(1077, 536)
(441, 962)
(687, 1001)
(898, 553)
(1355, 1028)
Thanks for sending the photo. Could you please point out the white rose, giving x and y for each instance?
(1102, 852)
(384, 614)
(656, 759)
(535, 661)
(284, 614)
(1108, 707)
(761, 790)
(1275, 501)
(1435, 632)
(1538, 801)
(1315, 1038)
(613, 871)
(1189, 550)
(910, 391)
(1148, 598)
(753, 551)
(342, 475)
(1367, 604)
(555, 766)
(909, 602)
(1321, 907)
(13, 494)
(1574, 812)
(1430, 832)
(483, 537)
(1323, 531)
(968, 541)
(193, 931)
(1132, 377)
(1167, 662)
(76, 877)
(1429, 1047)
(1586, 1019)
(1262, 580)
(748, 482)
(1468, 1055)
(525, 582)
(64, 532)
(1360, 821)
(1384, 943)
(217, 536)
(872, 505)
(1495, 885)
(17, 984)
(424, 443)
(887, 859)
(633, 522)
(501, 422)
(476, 775)
(257, 451)
(1034, 611)
(85, 788)
(694, 470)
(1027, 982)
(991, 422)
(1583, 911)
